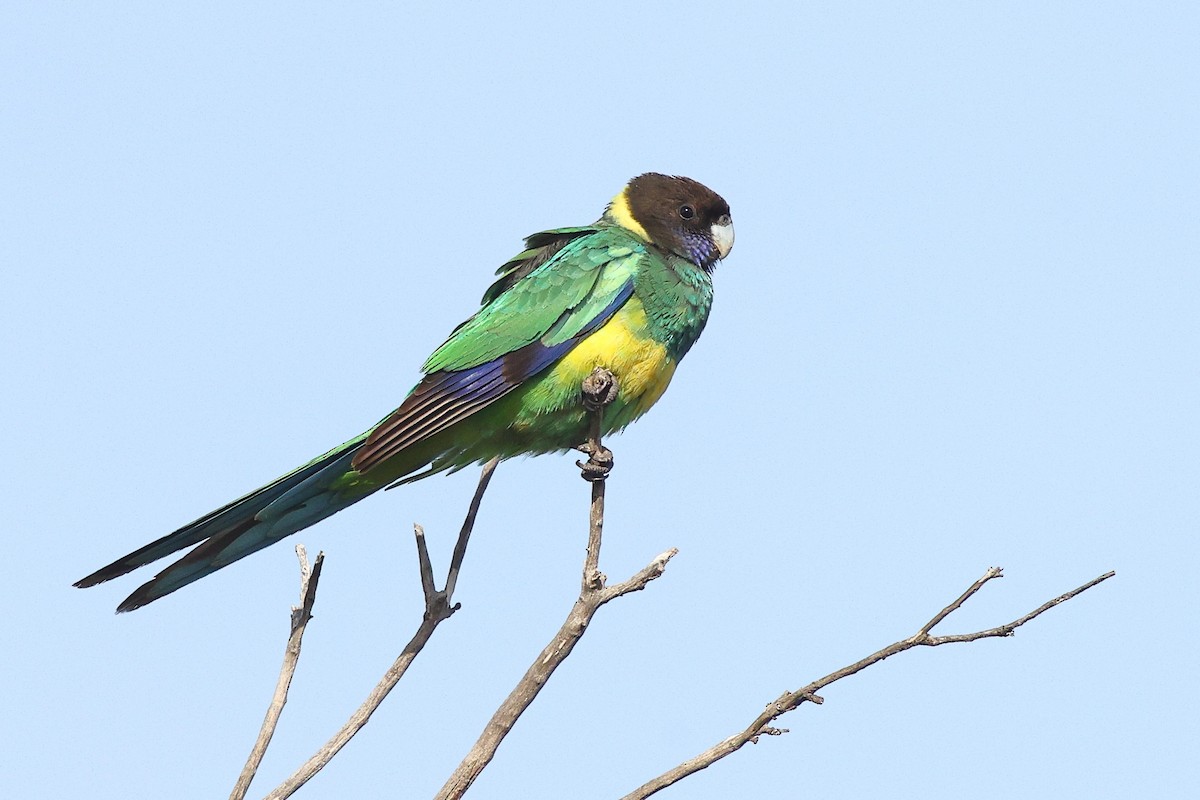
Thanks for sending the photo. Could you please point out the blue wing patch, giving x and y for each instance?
(443, 398)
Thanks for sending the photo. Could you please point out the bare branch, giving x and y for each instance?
(641, 578)
(424, 565)
(301, 614)
(992, 573)
(437, 608)
(1007, 630)
(599, 389)
(464, 534)
(791, 700)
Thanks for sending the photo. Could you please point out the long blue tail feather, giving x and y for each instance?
(234, 531)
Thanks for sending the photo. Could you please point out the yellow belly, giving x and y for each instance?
(622, 345)
(546, 413)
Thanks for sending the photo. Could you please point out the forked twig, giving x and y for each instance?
(437, 608)
(301, 614)
(791, 700)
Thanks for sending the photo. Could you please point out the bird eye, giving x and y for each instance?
(687, 212)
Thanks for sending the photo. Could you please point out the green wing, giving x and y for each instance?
(540, 248)
(527, 325)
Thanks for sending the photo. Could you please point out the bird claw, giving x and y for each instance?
(599, 463)
(599, 389)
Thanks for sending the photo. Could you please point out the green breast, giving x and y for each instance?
(677, 296)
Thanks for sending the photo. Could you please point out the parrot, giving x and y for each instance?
(629, 293)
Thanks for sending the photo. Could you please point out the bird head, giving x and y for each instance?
(677, 214)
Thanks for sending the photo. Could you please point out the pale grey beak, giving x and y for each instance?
(722, 234)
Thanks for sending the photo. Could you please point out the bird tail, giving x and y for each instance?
(289, 504)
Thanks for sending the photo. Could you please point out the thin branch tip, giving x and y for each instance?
(300, 616)
(302, 556)
(438, 607)
(789, 701)
(767, 730)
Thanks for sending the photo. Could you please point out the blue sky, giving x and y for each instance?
(959, 329)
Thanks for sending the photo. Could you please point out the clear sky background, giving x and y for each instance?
(959, 329)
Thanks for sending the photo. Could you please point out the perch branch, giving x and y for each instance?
(761, 726)
(599, 389)
(301, 614)
(437, 608)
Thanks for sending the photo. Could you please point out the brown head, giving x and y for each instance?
(677, 214)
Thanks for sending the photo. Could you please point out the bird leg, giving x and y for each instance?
(599, 389)
(599, 463)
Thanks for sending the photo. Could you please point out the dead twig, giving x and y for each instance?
(301, 614)
(437, 608)
(599, 389)
(791, 700)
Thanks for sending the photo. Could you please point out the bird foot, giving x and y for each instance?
(599, 389)
(599, 463)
